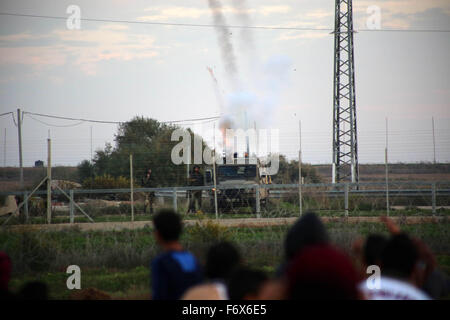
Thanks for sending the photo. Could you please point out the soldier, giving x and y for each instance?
(195, 179)
(147, 182)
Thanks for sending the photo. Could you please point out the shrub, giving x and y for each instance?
(208, 232)
(106, 182)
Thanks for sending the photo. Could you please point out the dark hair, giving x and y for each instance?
(308, 230)
(168, 224)
(399, 256)
(221, 260)
(373, 249)
(245, 281)
(34, 290)
(5, 271)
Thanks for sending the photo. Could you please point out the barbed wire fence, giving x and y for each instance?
(75, 204)
(415, 198)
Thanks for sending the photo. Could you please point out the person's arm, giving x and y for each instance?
(390, 225)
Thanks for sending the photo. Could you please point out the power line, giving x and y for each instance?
(215, 25)
(73, 119)
(14, 119)
(198, 119)
(166, 23)
(6, 113)
(54, 125)
(117, 122)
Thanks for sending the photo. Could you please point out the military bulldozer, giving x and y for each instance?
(234, 181)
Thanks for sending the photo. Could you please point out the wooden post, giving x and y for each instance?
(346, 200)
(214, 175)
(25, 198)
(19, 130)
(300, 168)
(258, 200)
(131, 187)
(433, 198)
(386, 164)
(49, 181)
(71, 207)
(434, 141)
(174, 199)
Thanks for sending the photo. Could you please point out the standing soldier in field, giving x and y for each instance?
(195, 180)
(147, 182)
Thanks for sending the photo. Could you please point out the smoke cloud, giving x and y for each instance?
(256, 90)
(223, 33)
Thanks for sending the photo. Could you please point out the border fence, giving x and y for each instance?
(251, 200)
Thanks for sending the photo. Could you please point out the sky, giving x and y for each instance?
(115, 71)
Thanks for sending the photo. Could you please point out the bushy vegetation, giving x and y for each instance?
(117, 261)
(106, 181)
(151, 145)
(288, 172)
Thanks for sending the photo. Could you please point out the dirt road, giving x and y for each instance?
(233, 223)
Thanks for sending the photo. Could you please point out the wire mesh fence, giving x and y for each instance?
(232, 201)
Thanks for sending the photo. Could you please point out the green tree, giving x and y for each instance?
(150, 143)
(288, 172)
(85, 170)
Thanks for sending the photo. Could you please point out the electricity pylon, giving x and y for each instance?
(345, 143)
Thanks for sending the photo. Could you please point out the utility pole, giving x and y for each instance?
(19, 128)
(300, 167)
(131, 187)
(386, 164)
(345, 143)
(247, 148)
(216, 211)
(4, 150)
(91, 144)
(49, 180)
(434, 141)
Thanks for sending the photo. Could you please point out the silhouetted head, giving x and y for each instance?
(221, 260)
(34, 290)
(308, 230)
(399, 257)
(5, 271)
(246, 283)
(168, 225)
(373, 249)
(322, 272)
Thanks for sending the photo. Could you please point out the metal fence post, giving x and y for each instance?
(433, 198)
(346, 200)
(174, 199)
(49, 181)
(25, 198)
(71, 206)
(131, 188)
(257, 202)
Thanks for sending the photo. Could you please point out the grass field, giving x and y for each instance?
(117, 261)
(281, 212)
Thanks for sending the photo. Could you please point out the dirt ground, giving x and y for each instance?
(232, 223)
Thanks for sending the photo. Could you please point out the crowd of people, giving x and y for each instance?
(313, 267)
(394, 267)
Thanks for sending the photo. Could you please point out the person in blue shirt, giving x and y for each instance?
(174, 270)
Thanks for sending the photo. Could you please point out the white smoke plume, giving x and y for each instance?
(256, 90)
(223, 33)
